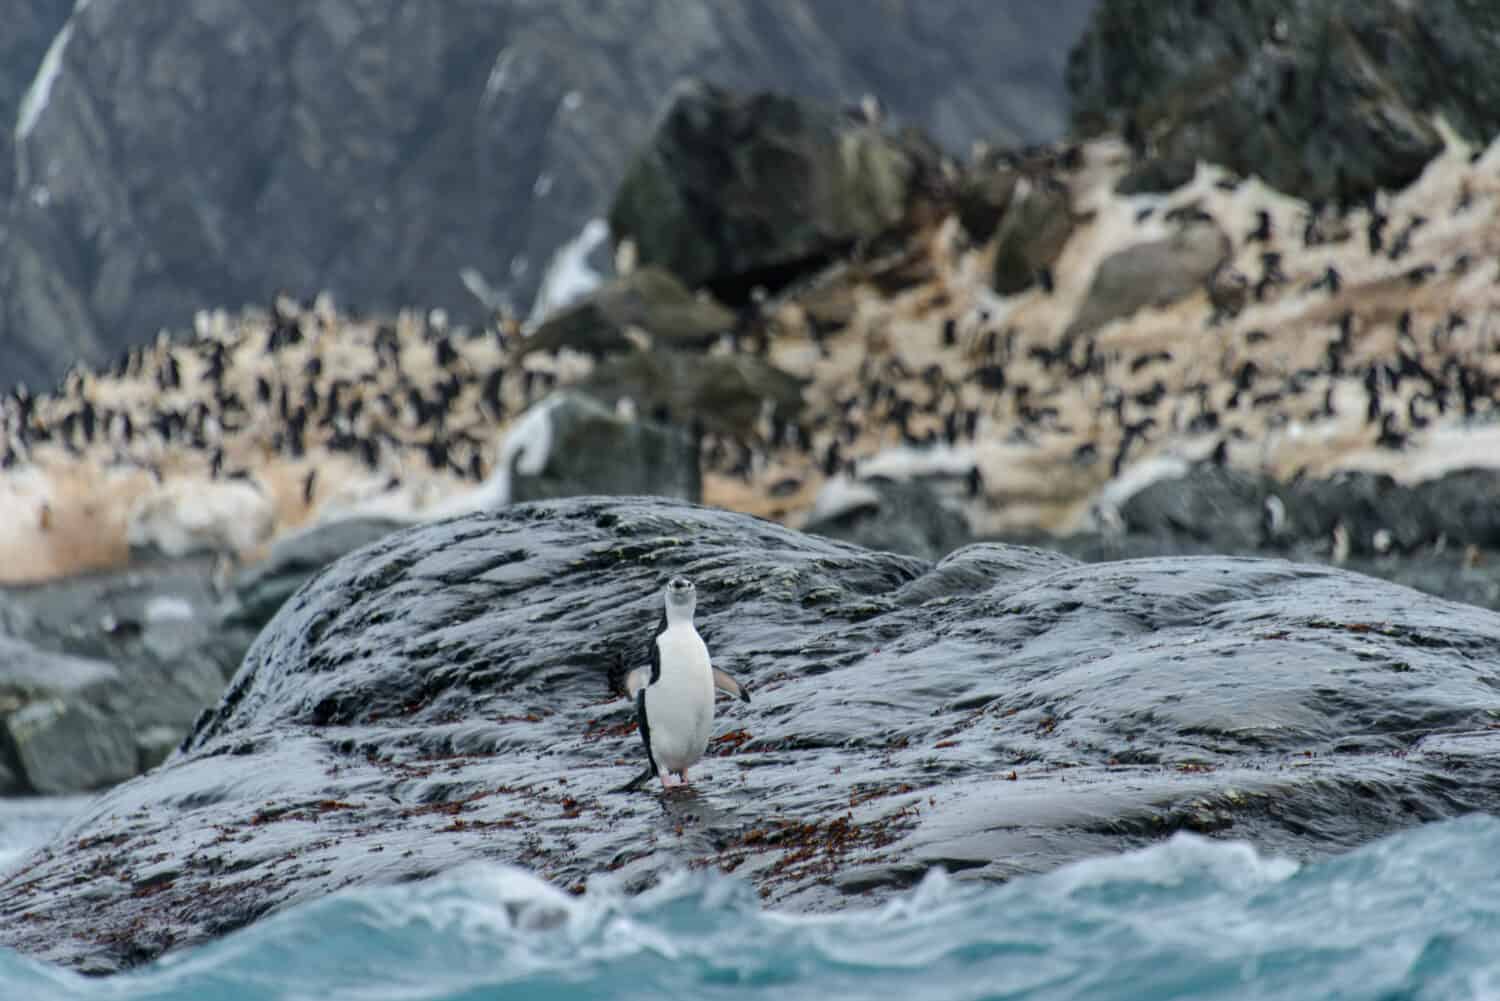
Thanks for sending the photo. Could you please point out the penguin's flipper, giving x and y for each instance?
(725, 683)
(637, 679)
(628, 681)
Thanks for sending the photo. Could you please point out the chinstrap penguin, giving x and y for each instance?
(674, 696)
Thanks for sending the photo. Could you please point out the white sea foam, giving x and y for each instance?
(1182, 858)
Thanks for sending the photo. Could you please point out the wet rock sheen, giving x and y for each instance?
(440, 695)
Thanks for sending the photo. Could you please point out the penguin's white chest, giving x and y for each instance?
(680, 705)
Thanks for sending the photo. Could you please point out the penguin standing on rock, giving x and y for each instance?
(674, 696)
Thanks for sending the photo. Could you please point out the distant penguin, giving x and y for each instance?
(674, 696)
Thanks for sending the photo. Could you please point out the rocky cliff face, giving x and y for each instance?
(179, 156)
(1321, 100)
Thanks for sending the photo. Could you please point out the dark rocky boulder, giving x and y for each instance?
(1378, 513)
(982, 195)
(1157, 175)
(215, 152)
(895, 516)
(722, 393)
(1212, 503)
(1438, 536)
(591, 448)
(1240, 511)
(1463, 506)
(649, 299)
(103, 675)
(440, 695)
(1471, 576)
(1032, 232)
(54, 738)
(1323, 100)
(1152, 274)
(737, 191)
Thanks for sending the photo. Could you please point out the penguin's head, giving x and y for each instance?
(681, 595)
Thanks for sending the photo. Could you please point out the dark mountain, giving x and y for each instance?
(179, 154)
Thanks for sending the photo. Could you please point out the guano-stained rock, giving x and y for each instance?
(1151, 274)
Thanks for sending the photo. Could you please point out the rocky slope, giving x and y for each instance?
(180, 156)
(442, 695)
(1329, 101)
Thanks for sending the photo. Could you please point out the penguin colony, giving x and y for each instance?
(1330, 337)
(255, 426)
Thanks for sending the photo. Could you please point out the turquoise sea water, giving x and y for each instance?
(27, 822)
(1416, 915)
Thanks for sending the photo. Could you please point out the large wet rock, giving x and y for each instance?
(735, 191)
(1323, 100)
(217, 152)
(441, 695)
